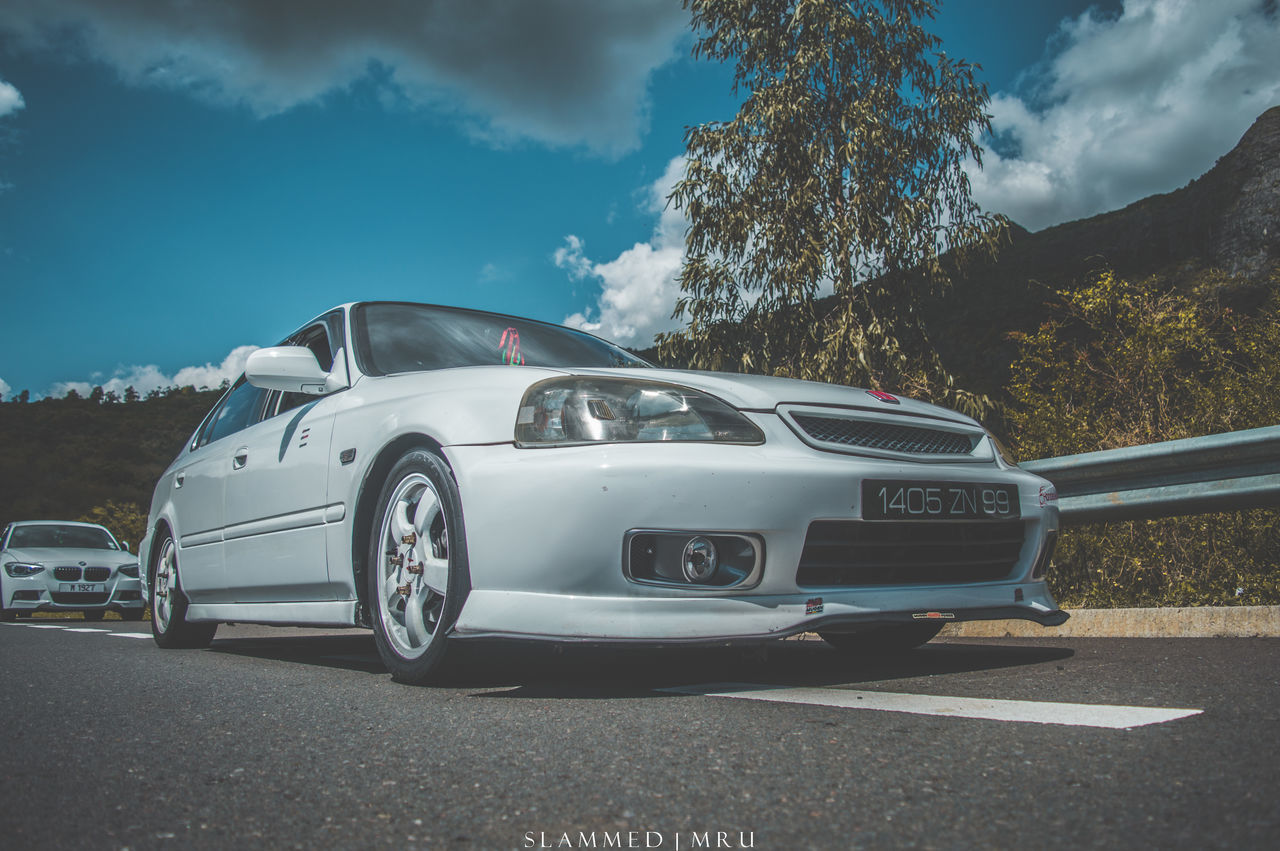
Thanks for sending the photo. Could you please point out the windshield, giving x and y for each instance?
(400, 337)
(75, 537)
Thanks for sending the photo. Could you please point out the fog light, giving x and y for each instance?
(700, 560)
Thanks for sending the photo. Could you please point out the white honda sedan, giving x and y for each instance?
(59, 566)
(439, 474)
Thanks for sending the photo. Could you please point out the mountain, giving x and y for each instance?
(1228, 219)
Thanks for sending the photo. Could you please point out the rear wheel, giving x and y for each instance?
(169, 625)
(417, 566)
(882, 639)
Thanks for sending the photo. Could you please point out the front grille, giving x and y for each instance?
(873, 434)
(97, 574)
(67, 574)
(854, 552)
(78, 598)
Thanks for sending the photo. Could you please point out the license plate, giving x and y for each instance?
(916, 500)
(82, 588)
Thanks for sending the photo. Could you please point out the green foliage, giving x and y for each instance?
(1125, 363)
(842, 171)
(66, 458)
(126, 520)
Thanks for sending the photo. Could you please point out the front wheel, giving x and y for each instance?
(169, 625)
(417, 566)
(882, 639)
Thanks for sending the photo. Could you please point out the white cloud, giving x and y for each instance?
(562, 72)
(4, 388)
(1130, 105)
(638, 287)
(144, 379)
(10, 99)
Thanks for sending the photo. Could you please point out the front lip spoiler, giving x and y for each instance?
(1048, 617)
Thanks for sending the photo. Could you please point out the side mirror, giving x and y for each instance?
(294, 369)
(124, 545)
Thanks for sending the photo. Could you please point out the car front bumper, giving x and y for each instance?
(546, 531)
(44, 593)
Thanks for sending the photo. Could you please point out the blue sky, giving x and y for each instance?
(179, 182)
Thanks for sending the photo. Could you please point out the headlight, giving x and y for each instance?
(577, 410)
(18, 569)
(129, 570)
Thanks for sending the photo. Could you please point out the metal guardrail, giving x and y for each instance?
(1220, 472)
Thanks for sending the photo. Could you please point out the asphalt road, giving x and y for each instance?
(283, 738)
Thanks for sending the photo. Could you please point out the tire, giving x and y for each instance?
(882, 639)
(7, 614)
(417, 523)
(132, 614)
(94, 615)
(169, 625)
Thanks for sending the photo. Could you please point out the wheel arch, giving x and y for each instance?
(366, 505)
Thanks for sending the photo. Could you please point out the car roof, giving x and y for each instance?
(57, 523)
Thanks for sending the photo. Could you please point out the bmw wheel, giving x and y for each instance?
(882, 639)
(417, 566)
(169, 625)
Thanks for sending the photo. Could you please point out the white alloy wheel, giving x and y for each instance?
(417, 565)
(169, 625)
(164, 587)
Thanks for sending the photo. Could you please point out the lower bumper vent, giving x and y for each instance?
(853, 552)
(78, 598)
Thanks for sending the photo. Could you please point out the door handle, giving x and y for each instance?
(240, 459)
(179, 479)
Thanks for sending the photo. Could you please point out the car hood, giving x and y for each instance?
(70, 555)
(764, 392)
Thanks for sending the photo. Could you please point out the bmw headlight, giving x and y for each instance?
(129, 570)
(18, 569)
(579, 409)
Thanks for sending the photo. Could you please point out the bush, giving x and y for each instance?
(1124, 363)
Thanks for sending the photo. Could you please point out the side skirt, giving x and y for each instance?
(328, 613)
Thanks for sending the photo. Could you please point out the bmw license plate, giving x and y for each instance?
(82, 588)
(891, 499)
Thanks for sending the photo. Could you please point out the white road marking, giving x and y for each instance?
(42, 626)
(1033, 712)
(131, 634)
(84, 629)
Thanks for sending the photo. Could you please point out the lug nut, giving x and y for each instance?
(413, 568)
(403, 590)
(409, 539)
(395, 561)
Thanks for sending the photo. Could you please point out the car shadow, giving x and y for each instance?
(533, 670)
(585, 673)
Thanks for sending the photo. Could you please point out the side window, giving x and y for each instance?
(237, 411)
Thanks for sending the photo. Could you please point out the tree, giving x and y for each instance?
(843, 170)
(126, 520)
